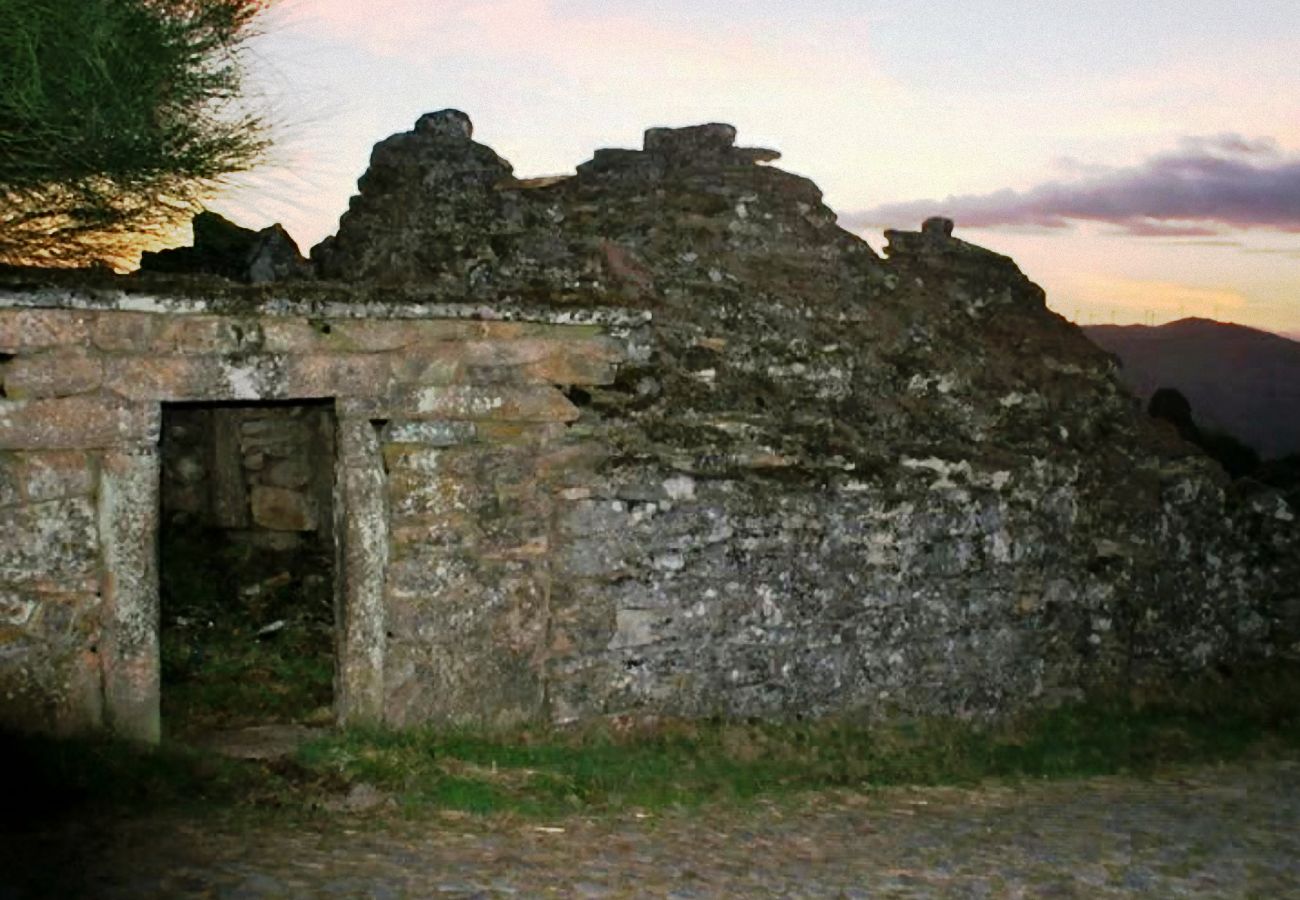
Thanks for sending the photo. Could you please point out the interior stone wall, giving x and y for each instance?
(250, 467)
(254, 480)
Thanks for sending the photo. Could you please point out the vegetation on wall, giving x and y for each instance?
(117, 118)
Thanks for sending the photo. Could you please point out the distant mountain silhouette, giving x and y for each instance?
(1239, 380)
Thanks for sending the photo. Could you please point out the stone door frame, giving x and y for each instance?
(128, 509)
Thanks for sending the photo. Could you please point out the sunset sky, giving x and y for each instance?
(1141, 161)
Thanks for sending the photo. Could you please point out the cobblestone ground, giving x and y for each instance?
(1222, 832)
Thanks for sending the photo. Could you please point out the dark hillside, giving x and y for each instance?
(1239, 380)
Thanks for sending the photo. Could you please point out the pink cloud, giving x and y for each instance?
(1206, 186)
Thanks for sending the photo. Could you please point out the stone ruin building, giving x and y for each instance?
(654, 438)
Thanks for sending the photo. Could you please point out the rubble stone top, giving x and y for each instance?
(449, 123)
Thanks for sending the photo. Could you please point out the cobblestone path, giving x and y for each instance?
(1221, 832)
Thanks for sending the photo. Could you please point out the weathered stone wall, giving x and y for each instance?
(833, 481)
(658, 437)
(451, 432)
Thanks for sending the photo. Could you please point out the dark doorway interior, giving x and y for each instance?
(247, 564)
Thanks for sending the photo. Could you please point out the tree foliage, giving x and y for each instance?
(117, 117)
(1236, 458)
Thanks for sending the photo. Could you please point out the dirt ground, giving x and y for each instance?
(1204, 832)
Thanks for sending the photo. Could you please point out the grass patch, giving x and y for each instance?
(239, 678)
(234, 654)
(601, 768)
(606, 767)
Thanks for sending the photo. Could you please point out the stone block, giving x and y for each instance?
(532, 437)
(499, 330)
(56, 475)
(76, 422)
(432, 589)
(337, 375)
(295, 336)
(280, 509)
(532, 403)
(126, 332)
(379, 335)
(503, 362)
(450, 531)
(53, 543)
(570, 368)
(48, 688)
(421, 494)
(164, 378)
(11, 491)
(486, 624)
(58, 617)
(17, 607)
(429, 434)
(635, 628)
(53, 375)
(507, 353)
(294, 472)
(436, 365)
(250, 377)
(201, 334)
(455, 684)
(24, 330)
(514, 525)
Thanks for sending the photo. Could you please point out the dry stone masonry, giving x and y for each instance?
(654, 438)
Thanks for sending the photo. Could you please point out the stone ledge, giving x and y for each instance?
(362, 302)
(526, 403)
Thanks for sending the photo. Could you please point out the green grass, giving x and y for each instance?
(219, 668)
(241, 679)
(686, 764)
(606, 767)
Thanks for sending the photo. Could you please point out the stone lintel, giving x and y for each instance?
(260, 376)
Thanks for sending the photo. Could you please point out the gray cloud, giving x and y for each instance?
(1207, 186)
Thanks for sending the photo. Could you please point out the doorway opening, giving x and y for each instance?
(247, 621)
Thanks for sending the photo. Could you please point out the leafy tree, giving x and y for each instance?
(117, 117)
